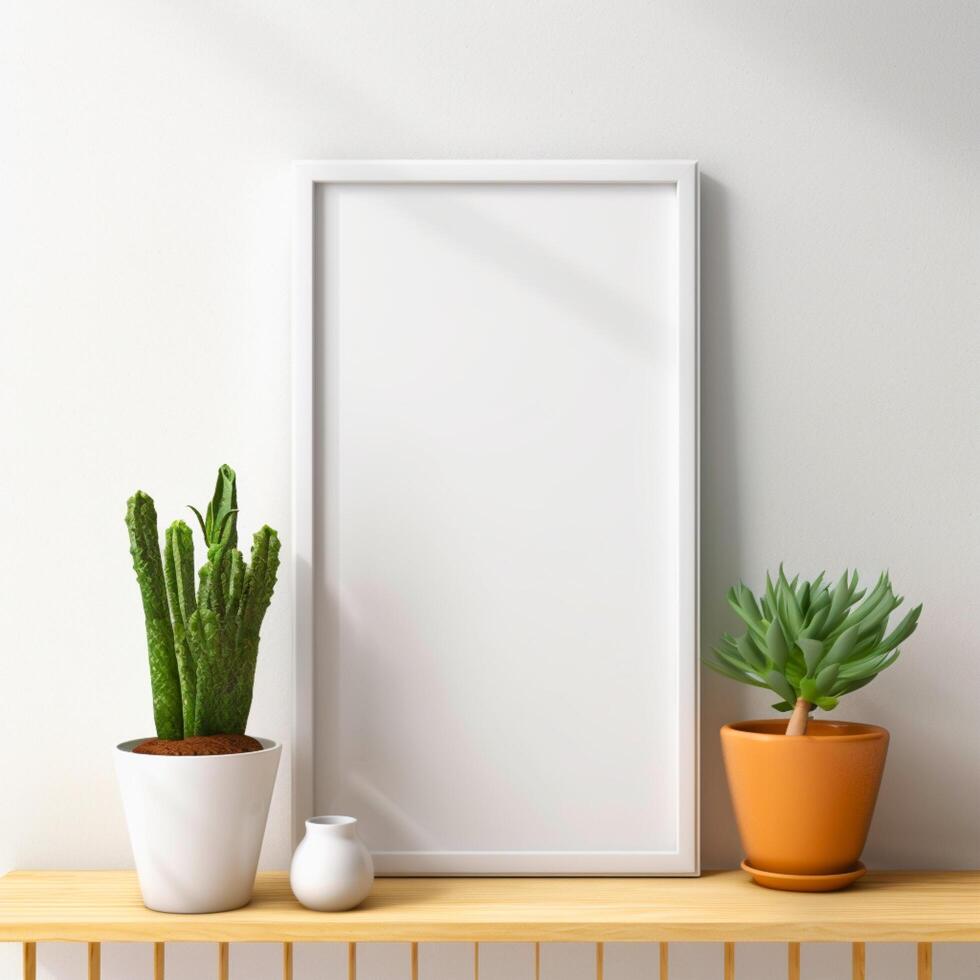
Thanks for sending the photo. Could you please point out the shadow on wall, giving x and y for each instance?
(930, 766)
(804, 44)
(721, 535)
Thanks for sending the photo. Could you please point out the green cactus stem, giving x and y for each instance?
(259, 584)
(178, 568)
(211, 669)
(144, 546)
(203, 647)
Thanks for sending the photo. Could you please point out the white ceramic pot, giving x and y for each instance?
(332, 870)
(196, 824)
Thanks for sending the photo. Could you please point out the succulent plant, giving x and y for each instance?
(811, 643)
(203, 644)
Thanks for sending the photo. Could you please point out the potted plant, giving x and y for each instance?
(197, 796)
(804, 791)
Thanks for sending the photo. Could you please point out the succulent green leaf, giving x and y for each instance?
(728, 653)
(224, 526)
(218, 527)
(869, 668)
(903, 631)
(745, 607)
(778, 683)
(803, 597)
(200, 520)
(720, 666)
(727, 643)
(788, 606)
(782, 706)
(845, 686)
(795, 668)
(826, 702)
(840, 596)
(813, 651)
(868, 642)
(749, 653)
(858, 613)
(771, 592)
(842, 647)
(776, 644)
(819, 599)
(826, 679)
(814, 628)
(808, 639)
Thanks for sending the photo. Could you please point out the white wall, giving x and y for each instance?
(144, 229)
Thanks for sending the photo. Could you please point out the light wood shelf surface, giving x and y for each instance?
(899, 906)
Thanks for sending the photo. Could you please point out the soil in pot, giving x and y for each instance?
(199, 745)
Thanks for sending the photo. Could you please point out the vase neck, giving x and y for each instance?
(332, 826)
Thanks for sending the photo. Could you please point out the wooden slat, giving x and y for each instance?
(600, 961)
(664, 961)
(287, 961)
(30, 961)
(857, 961)
(159, 959)
(94, 961)
(88, 906)
(415, 961)
(222, 961)
(729, 961)
(924, 964)
(352, 961)
(793, 961)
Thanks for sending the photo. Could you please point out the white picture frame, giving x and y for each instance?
(369, 210)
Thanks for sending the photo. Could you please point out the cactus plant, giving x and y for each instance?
(202, 644)
(811, 643)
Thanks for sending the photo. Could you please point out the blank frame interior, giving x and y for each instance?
(503, 524)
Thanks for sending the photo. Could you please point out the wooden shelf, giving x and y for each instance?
(909, 906)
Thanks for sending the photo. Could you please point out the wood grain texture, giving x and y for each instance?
(600, 961)
(924, 961)
(105, 906)
(415, 960)
(30, 961)
(159, 960)
(94, 961)
(729, 960)
(664, 961)
(287, 961)
(793, 961)
(352, 961)
(222, 961)
(858, 961)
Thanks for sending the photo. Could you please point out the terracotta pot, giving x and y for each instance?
(803, 803)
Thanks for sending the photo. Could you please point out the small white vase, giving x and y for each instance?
(332, 870)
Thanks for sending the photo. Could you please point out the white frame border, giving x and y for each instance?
(683, 174)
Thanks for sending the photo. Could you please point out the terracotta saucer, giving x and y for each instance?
(805, 883)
